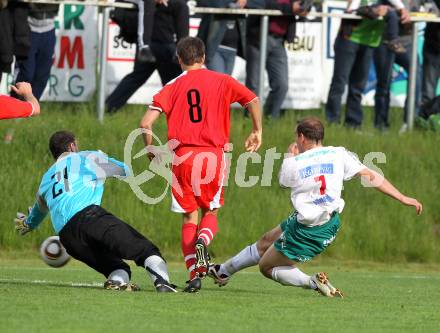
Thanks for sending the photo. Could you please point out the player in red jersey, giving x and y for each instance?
(197, 107)
(14, 108)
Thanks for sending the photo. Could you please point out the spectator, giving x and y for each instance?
(431, 62)
(35, 69)
(281, 29)
(145, 26)
(14, 35)
(171, 23)
(146, 14)
(384, 58)
(353, 52)
(391, 33)
(223, 35)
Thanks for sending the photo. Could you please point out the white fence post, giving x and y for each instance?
(264, 29)
(103, 65)
(412, 78)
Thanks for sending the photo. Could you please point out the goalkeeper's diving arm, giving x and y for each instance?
(105, 166)
(37, 214)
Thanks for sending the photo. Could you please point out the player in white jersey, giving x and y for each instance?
(315, 174)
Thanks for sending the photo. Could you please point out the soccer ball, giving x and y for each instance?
(53, 252)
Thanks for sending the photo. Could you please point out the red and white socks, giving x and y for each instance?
(189, 238)
(191, 233)
(208, 228)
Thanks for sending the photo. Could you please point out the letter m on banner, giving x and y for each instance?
(73, 52)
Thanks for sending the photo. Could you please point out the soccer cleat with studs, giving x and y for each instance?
(193, 285)
(165, 287)
(324, 287)
(220, 279)
(120, 286)
(202, 259)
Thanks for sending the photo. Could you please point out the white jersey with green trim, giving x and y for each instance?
(316, 178)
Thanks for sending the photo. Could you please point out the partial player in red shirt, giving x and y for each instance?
(14, 108)
(197, 106)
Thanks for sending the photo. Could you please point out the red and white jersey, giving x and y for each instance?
(14, 108)
(197, 107)
(316, 178)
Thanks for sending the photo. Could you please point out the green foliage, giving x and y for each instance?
(36, 298)
(374, 227)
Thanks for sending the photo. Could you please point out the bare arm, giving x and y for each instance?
(147, 128)
(383, 185)
(254, 140)
(24, 90)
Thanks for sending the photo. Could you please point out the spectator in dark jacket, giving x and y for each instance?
(145, 25)
(171, 23)
(281, 29)
(223, 35)
(14, 35)
(35, 69)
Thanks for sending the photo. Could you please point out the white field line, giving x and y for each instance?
(47, 268)
(77, 269)
(70, 283)
(44, 268)
(99, 284)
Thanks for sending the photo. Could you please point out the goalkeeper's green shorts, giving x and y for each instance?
(301, 243)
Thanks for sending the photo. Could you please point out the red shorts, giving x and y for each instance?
(198, 178)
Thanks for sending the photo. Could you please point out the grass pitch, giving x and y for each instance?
(374, 227)
(379, 298)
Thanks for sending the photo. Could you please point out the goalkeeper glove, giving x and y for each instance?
(21, 225)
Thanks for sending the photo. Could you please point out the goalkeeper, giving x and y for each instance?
(71, 190)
